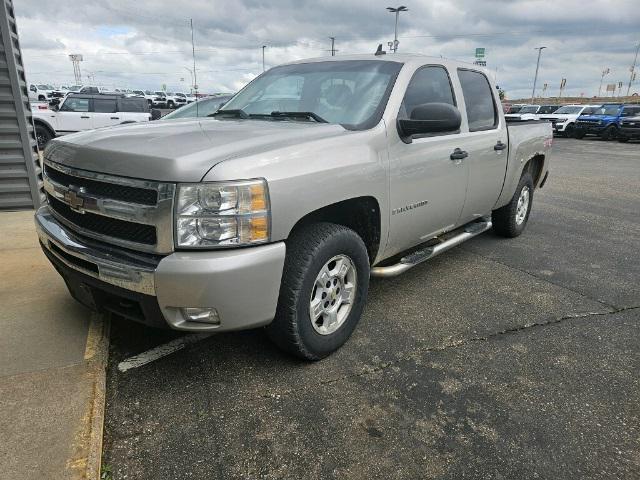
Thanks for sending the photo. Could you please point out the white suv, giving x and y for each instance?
(563, 120)
(79, 112)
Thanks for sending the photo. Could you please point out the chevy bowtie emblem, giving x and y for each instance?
(73, 197)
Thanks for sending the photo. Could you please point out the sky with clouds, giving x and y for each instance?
(145, 44)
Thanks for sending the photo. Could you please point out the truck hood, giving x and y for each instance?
(181, 150)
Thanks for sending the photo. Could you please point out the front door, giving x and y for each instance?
(427, 186)
(74, 115)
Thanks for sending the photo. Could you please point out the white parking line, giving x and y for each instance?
(160, 351)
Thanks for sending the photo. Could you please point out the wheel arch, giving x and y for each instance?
(38, 122)
(361, 214)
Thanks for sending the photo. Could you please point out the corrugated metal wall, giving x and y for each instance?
(20, 175)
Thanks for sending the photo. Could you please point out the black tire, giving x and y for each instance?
(43, 136)
(578, 134)
(609, 133)
(504, 218)
(623, 139)
(569, 130)
(308, 250)
(170, 104)
(42, 98)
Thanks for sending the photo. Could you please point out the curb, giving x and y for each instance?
(86, 460)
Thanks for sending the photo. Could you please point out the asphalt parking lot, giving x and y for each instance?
(505, 359)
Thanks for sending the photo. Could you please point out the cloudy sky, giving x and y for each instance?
(147, 43)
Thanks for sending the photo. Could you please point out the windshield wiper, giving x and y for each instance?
(239, 113)
(311, 115)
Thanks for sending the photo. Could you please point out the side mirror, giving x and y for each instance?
(430, 118)
(155, 114)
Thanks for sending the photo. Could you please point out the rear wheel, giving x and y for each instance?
(623, 139)
(324, 288)
(170, 104)
(510, 220)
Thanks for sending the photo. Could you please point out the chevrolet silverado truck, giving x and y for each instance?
(275, 210)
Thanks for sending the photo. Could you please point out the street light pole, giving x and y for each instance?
(633, 68)
(263, 47)
(397, 11)
(191, 74)
(333, 46)
(604, 72)
(535, 78)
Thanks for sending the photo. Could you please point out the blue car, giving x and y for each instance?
(603, 122)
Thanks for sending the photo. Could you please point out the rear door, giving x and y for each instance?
(105, 112)
(75, 115)
(427, 185)
(486, 144)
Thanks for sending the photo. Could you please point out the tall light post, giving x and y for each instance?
(633, 68)
(263, 47)
(606, 71)
(191, 74)
(535, 78)
(397, 11)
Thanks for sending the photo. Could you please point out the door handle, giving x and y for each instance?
(115, 118)
(85, 117)
(458, 154)
(499, 146)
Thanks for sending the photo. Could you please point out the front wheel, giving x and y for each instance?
(324, 288)
(43, 136)
(569, 130)
(623, 139)
(609, 133)
(578, 134)
(170, 104)
(510, 220)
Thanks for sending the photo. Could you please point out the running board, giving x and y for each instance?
(416, 258)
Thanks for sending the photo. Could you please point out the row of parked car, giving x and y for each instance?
(609, 121)
(85, 111)
(157, 99)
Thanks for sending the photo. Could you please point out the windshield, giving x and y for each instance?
(75, 88)
(568, 110)
(607, 110)
(514, 109)
(201, 108)
(45, 87)
(351, 93)
(529, 109)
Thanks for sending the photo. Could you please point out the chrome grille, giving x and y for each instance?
(135, 214)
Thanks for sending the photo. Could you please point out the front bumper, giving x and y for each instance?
(630, 132)
(591, 129)
(242, 284)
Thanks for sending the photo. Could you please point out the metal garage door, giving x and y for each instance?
(20, 176)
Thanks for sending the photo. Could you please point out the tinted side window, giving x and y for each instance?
(428, 85)
(478, 98)
(73, 104)
(103, 105)
(133, 105)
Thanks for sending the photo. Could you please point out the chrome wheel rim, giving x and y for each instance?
(332, 294)
(523, 206)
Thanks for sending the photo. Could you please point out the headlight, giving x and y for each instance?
(222, 214)
(600, 122)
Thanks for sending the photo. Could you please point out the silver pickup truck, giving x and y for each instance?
(277, 209)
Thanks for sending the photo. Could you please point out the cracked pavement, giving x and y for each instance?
(499, 359)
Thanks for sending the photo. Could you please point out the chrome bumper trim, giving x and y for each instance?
(113, 269)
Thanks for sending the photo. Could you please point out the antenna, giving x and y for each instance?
(195, 78)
